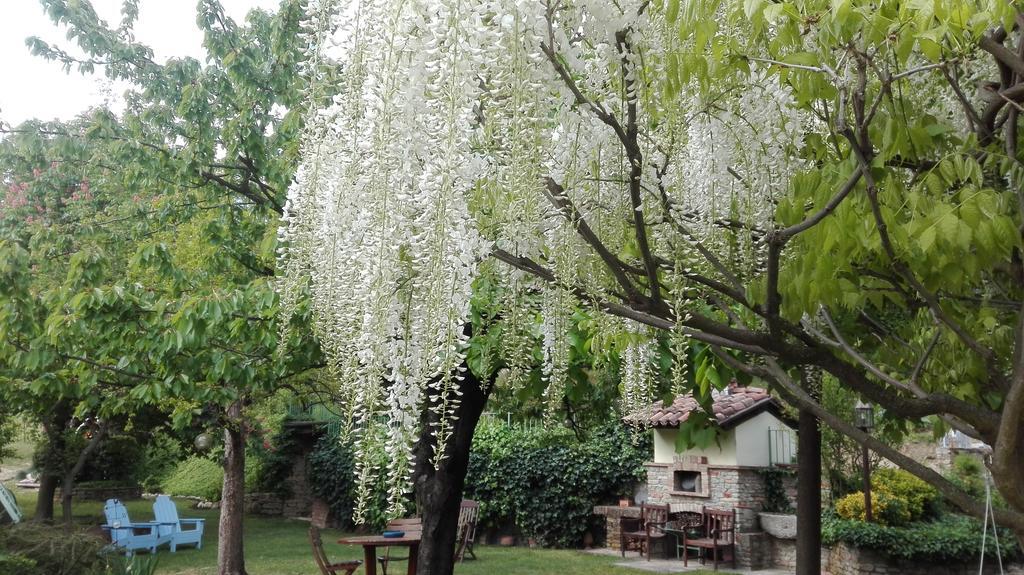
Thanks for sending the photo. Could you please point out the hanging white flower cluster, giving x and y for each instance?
(638, 372)
(468, 127)
(739, 155)
(378, 221)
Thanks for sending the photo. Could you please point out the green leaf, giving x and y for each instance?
(927, 239)
(672, 11)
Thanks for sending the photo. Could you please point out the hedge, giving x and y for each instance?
(953, 538)
(546, 482)
(332, 478)
(542, 482)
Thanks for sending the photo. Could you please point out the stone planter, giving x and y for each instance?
(779, 525)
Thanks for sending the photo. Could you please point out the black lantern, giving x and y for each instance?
(864, 417)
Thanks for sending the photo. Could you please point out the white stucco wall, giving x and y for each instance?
(746, 444)
(752, 446)
(665, 448)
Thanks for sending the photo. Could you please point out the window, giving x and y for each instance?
(687, 481)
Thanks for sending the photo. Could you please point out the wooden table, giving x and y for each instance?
(370, 544)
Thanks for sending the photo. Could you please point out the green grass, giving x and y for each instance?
(21, 455)
(277, 546)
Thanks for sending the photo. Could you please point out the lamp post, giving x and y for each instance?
(864, 417)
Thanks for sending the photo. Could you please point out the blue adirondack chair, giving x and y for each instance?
(166, 514)
(8, 505)
(131, 536)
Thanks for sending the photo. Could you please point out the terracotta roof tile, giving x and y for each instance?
(727, 405)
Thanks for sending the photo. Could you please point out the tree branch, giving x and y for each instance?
(560, 199)
(786, 233)
(723, 338)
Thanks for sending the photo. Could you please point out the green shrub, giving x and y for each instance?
(897, 498)
(273, 459)
(547, 482)
(159, 459)
(920, 498)
(17, 565)
(34, 549)
(204, 478)
(332, 478)
(953, 538)
(885, 508)
(117, 459)
(195, 477)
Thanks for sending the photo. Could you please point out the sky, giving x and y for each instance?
(31, 87)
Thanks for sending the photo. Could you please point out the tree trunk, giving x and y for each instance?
(54, 424)
(68, 484)
(47, 491)
(439, 491)
(808, 495)
(230, 554)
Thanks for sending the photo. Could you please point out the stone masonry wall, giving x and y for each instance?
(298, 503)
(739, 488)
(722, 487)
(846, 560)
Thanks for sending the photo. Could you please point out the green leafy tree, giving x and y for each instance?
(162, 288)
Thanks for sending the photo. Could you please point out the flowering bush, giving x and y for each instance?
(897, 498)
(885, 508)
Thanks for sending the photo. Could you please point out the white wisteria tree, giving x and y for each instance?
(802, 185)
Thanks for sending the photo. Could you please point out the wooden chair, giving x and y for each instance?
(411, 526)
(718, 533)
(469, 513)
(326, 567)
(651, 527)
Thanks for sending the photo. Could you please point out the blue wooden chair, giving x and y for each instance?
(166, 514)
(125, 534)
(9, 505)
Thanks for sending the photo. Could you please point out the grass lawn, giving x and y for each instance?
(277, 546)
(20, 458)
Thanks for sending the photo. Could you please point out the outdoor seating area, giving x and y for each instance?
(400, 533)
(166, 527)
(712, 532)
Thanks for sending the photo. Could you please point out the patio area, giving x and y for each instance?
(634, 561)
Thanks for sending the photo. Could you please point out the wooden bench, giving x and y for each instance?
(717, 533)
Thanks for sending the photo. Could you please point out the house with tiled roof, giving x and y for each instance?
(728, 474)
(753, 431)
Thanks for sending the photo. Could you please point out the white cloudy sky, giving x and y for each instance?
(31, 87)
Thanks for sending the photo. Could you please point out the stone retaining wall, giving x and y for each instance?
(103, 493)
(844, 559)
